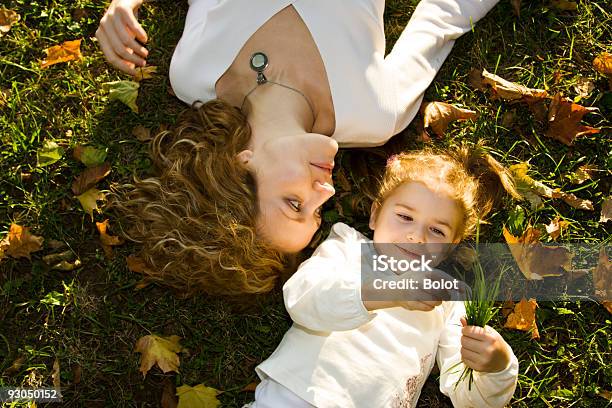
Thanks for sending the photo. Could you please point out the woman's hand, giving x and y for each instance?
(483, 348)
(117, 34)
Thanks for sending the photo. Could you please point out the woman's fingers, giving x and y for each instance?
(111, 56)
(135, 27)
(127, 38)
(121, 50)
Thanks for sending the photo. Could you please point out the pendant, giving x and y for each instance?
(259, 62)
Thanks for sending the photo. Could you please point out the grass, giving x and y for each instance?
(92, 321)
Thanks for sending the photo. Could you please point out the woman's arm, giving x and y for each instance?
(423, 46)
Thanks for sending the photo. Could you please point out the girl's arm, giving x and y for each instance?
(488, 389)
(423, 46)
(325, 292)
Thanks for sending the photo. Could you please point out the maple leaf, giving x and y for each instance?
(556, 227)
(563, 118)
(606, 210)
(89, 156)
(159, 350)
(438, 115)
(67, 51)
(141, 133)
(49, 153)
(19, 243)
(108, 241)
(523, 318)
(603, 63)
(199, 396)
(89, 200)
(8, 18)
(90, 177)
(582, 174)
(124, 91)
(535, 260)
(143, 73)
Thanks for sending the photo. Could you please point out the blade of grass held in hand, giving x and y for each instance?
(67, 51)
(124, 91)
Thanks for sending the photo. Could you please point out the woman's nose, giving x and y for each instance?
(325, 191)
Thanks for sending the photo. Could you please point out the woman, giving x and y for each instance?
(244, 175)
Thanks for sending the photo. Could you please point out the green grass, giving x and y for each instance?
(101, 315)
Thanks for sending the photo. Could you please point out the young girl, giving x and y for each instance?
(345, 352)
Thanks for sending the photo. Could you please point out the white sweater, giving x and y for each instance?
(374, 97)
(337, 354)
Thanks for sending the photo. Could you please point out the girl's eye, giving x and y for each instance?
(438, 232)
(295, 205)
(405, 217)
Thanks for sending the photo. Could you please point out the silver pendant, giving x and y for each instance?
(259, 62)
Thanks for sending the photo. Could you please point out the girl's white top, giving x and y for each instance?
(374, 97)
(337, 354)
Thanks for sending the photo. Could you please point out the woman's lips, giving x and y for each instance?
(328, 167)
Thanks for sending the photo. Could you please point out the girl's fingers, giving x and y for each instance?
(474, 332)
(471, 356)
(127, 38)
(113, 58)
(471, 344)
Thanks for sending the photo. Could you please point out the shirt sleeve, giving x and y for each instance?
(423, 46)
(489, 390)
(325, 292)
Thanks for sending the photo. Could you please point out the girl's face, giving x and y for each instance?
(416, 220)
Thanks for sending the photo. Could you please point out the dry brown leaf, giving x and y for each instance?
(602, 277)
(608, 305)
(142, 133)
(516, 7)
(199, 396)
(61, 256)
(55, 374)
(8, 18)
(573, 201)
(556, 227)
(583, 87)
(523, 318)
(250, 387)
(603, 63)
(136, 264)
(19, 243)
(169, 398)
(510, 91)
(143, 73)
(564, 5)
(583, 173)
(159, 350)
(507, 307)
(108, 241)
(563, 120)
(438, 115)
(535, 260)
(90, 177)
(15, 367)
(67, 51)
(89, 200)
(77, 371)
(606, 210)
(66, 266)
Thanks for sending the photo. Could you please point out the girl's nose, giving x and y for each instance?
(416, 236)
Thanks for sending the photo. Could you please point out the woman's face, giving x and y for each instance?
(293, 176)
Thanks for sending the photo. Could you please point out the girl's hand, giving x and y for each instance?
(117, 34)
(483, 348)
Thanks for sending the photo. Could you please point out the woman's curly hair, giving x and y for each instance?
(196, 220)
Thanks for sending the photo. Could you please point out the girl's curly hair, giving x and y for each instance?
(196, 220)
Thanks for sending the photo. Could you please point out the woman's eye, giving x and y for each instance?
(318, 212)
(405, 217)
(438, 232)
(295, 205)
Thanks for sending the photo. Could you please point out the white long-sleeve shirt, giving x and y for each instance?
(337, 354)
(374, 96)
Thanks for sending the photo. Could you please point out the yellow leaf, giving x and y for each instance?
(438, 115)
(89, 200)
(108, 241)
(507, 90)
(124, 91)
(556, 227)
(564, 5)
(583, 173)
(573, 201)
(67, 51)
(606, 210)
(8, 18)
(143, 73)
(199, 396)
(603, 63)
(20, 243)
(159, 350)
(523, 318)
(90, 177)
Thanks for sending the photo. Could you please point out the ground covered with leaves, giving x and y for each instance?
(73, 314)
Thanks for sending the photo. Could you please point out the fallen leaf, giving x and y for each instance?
(55, 374)
(168, 398)
(199, 396)
(141, 284)
(602, 277)
(143, 73)
(67, 266)
(507, 90)
(90, 177)
(159, 350)
(535, 260)
(523, 318)
(608, 305)
(606, 210)
(250, 387)
(603, 393)
(49, 153)
(583, 87)
(61, 256)
(564, 5)
(141, 133)
(19, 243)
(573, 201)
(582, 174)
(124, 91)
(76, 373)
(15, 367)
(507, 307)
(89, 200)
(108, 241)
(516, 7)
(136, 264)
(563, 120)
(89, 156)
(438, 115)
(67, 51)
(556, 227)
(603, 63)
(8, 18)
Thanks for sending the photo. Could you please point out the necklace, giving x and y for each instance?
(258, 63)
